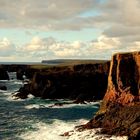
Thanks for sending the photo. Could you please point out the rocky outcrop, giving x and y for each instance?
(123, 80)
(78, 82)
(22, 70)
(3, 74)
(119, 113)
(2, 87)
(22, 93)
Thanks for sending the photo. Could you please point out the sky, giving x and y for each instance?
(34, 30)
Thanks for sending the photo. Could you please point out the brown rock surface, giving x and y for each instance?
(123, 80)
(119, 113)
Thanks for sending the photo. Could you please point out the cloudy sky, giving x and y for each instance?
(32, 30)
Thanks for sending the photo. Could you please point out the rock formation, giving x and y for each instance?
(124, 79)
(2, 87)
(119, 113)
(3, 74)
(78, 82)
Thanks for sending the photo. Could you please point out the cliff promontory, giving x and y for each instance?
(80, 82)
(119, 113)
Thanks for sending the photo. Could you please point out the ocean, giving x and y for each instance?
(38, 119)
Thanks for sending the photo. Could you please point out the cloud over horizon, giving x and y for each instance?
(117, 21)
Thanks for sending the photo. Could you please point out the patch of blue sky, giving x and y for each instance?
(90, 13)
(82, 35)
(18, 36)
(23, 36)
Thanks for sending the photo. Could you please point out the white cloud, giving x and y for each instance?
(43, 14)
(135, 46)
(118, 19)
(35, 44)
(105, 43)
(67, 14)
(49, 48)
(6, 48)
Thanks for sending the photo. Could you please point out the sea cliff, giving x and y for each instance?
(3, 74)
(119, 113)
(80, 82)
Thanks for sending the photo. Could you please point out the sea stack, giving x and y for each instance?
(3, 74)
(123, 80)
(119, 113)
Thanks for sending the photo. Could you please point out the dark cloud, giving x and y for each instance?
(42, 14)
(122, 31)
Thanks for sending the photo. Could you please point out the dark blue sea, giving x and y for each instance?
(38, 119)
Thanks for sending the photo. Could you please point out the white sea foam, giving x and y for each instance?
(3, 91)
(52, 105)
(18, 82)
(57, 128)
(71, 105)
(37, 106)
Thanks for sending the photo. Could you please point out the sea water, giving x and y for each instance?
(38, 119)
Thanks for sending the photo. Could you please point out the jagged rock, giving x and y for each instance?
(3, 88)
(78, 82)
(3, 74)
(119, 113)
(21, 70)
(124, 80)
(20, 74)
(23, 92)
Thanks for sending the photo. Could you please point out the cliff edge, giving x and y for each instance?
(119, 113)
(123, 80)
(82, 82)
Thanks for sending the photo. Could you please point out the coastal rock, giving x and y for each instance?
(124, 80)
(78, 82)
(119, 113)
(19, 74)
(21, 70)
(3, 87)
(23, 92)
(3, 74)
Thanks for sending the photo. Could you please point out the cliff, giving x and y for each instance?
(124, 80)
(78, 82)
(23, 69)
(3, 74)
(119, 113)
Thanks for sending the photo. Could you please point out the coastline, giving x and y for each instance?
(120, 94)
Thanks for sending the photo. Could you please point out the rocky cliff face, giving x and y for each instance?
(3, 74)
(79, 82)
(123, 80)
(119, 113)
